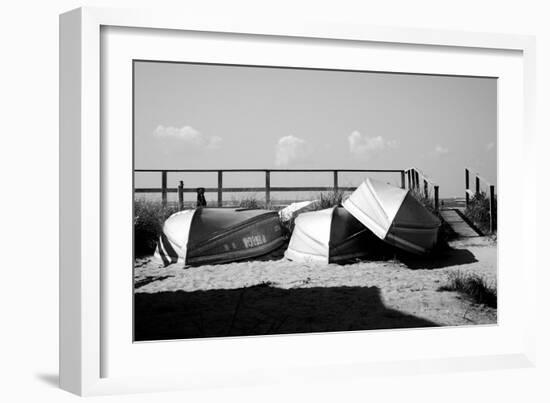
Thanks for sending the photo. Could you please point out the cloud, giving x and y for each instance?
(441, 150)
(189, 136)
(360, 144)
(290, 149)
(490, 146)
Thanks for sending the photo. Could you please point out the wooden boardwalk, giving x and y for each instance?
(458, 224)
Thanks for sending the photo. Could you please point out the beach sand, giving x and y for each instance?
(268, 297)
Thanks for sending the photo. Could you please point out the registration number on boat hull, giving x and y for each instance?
(254, 240)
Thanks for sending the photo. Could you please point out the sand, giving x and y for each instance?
(403, 288)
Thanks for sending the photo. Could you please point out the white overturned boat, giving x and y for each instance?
(394, 215)
(330, 236)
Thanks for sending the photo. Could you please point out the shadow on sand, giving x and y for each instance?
(264, 310)
(440, 259)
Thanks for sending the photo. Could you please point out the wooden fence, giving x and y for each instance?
(267, 189)
(477, 190)
(421, 184)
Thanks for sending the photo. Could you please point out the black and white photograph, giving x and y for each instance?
(303, 201)
(274, 200)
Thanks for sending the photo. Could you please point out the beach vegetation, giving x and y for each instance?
(473, 286)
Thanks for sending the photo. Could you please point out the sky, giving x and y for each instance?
(191, 116)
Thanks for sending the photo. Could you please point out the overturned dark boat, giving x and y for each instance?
(332, 235)
(218, 235)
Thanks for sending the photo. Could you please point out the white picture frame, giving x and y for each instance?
(85, 343)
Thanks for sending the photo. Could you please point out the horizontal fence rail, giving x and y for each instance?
(242, 190)
(220, 189)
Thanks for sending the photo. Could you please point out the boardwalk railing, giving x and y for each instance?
(477, 190)
(420, 183)
(220, 189)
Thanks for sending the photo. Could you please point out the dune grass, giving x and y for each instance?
(149, 217)
(479, 213)
(250, 202)
(330, 199)
(473, 286)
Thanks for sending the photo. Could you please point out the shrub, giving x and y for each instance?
(250, 202)
(329, 199)
(149, 217)
(473, 286)
(478, 212)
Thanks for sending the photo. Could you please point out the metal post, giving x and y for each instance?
(180, 196)
(409, 178)
(467, 177)
(267, 188)
(220, 187)
(477, 185)
(492, 209)
(163, 189)
(335, 173)
(417, 179)
(436, 197)
(402, 179)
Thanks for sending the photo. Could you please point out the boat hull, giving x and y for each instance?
(216, 236)
(331, 236)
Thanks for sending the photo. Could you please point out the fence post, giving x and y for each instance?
(492, 209)
(402, 179)
(220, 187)
(409, 178)
(436, 197)
(417, 179)
(180, 196)
(335, 173)
(163, 189)
(425, 188)
(477, 185)
(467, 177)
(267, 188)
